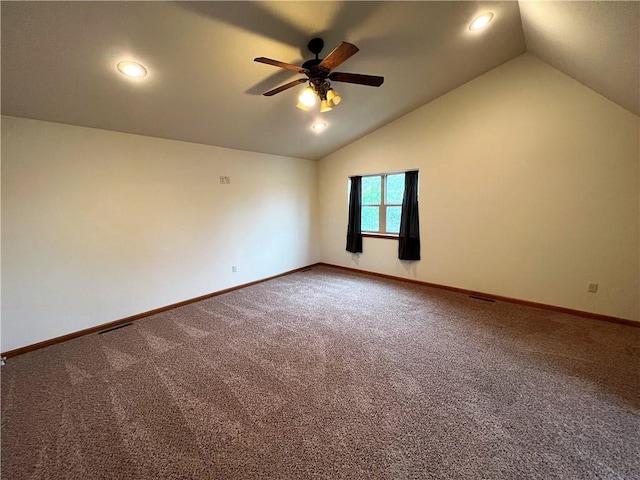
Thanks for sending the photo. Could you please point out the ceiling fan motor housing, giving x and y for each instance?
(317, 75)
(319, 71)
(315, 46)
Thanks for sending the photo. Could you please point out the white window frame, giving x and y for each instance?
(382, 207)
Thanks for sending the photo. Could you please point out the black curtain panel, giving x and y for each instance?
(354, 232)
(409, 235)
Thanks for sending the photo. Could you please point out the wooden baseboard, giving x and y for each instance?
(518, 301)
(115, 323)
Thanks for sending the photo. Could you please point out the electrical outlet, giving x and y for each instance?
(592, 288)
(234, 269)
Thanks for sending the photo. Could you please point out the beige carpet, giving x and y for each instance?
(330, 375)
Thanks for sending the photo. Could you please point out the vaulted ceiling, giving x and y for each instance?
(59, 58)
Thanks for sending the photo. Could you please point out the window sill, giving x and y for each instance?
(388, 236)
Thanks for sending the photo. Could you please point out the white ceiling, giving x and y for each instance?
(58, 62)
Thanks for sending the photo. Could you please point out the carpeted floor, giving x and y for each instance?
(330, 375)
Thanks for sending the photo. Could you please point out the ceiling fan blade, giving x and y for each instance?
(371, 80)
(276, 63)
(338, 55)
(284, 87)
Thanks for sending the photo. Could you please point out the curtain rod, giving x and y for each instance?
(384, 173)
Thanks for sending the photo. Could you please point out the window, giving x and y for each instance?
(382, 203)
(385, 206)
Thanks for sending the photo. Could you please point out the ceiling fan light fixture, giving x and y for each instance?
(325, 106)
(333, 97)
(307, 98)
(302, 106)
(480, 22)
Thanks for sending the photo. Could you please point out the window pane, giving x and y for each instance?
(393, 219)
(370, 219)
(371, 190)
(395, 188)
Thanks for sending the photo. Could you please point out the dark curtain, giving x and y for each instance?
(409, 235)
(354, 232)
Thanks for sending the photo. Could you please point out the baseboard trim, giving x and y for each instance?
(580, 313)
(122, 321)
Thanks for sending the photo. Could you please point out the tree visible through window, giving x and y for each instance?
(382, 203)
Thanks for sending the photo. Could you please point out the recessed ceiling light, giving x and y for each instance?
(482, 21)
(132, 69)
(319, 126)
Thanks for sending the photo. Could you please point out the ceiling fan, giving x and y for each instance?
(319, 73)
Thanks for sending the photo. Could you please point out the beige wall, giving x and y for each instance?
(529, 188)
(99, 225)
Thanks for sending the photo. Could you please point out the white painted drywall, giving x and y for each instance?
(98, 225)
(529, 187)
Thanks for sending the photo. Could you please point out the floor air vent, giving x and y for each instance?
(484, 299)
(115, 328)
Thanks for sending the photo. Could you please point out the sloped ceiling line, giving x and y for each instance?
(58, 62)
